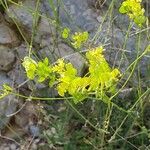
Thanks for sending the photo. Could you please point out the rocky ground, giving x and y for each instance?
(16, 30)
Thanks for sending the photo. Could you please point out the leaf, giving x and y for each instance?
(30, 67)
(44, 70)
(70, 70)
(52, 80)
(78, 97)
(122, 10)
(140, 20)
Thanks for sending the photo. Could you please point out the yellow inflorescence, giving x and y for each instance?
(99, 79)
(79, 38)
(134, 10)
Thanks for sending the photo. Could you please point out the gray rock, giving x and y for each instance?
(1, 17)
(75, 14)
(34, 146)
(17, 74)
(8, 36)
(8, 104)
(6, 148)
(22, 14)
(13, 147)
(34, 130)
(46, 26)
(146, 4)
(22, 51)
(99, 19)
(7, 58)
(46, 29)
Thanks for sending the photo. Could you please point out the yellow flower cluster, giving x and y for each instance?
(99, 80)
(41, 70)
(100, 77)
(134, 10)
(79, 38)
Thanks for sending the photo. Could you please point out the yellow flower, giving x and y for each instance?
(134, 10)
(79, 38)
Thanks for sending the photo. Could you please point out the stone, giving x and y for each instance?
(1, 17)
(27, 115)
(22, 14)
(100, 19)
(46, 29)
(126, 93)
(13, 147)
(73, 16)
(7, 58)
(8, 36)
(34, 146)
(34, 130)
(46, 26)
(8, 104)
(6, 148)
(17, 74)
(22, 51)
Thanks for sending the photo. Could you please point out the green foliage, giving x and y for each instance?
(148, 48)
(101, 76)
(41, 70)
(134, 10)
(99, 80)
(79, 38)
(66, 73)
(79, 126)
(69, 81)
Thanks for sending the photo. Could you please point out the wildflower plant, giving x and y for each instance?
(106, 123)
(41, 71)
(78, 39)
(134, 10)
(99, 80)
